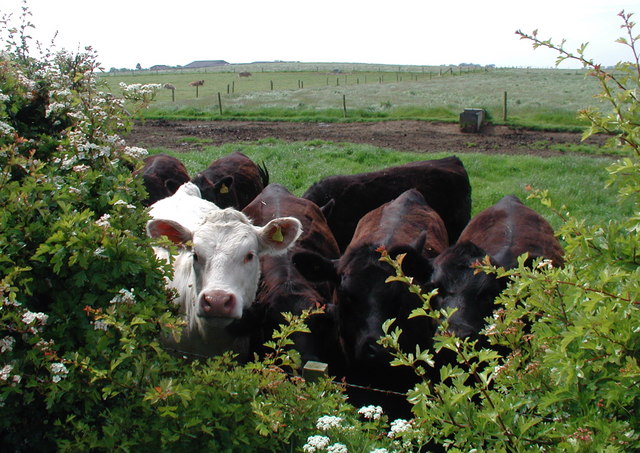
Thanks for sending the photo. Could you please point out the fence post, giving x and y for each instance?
(504, 107)
(271, 85)
(220, 103)
(344, 104)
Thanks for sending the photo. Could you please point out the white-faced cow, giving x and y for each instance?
(503, 232)
(444, 183)
(162, 175)
(217, 269)
(283, 289)
(364, 301)
(233, 181)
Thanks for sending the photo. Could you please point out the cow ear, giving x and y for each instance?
(279, 234)
(172, 185)
(315, 267)
(173, 230)
(327, 208)
(224, 185)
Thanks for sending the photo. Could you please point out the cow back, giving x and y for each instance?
(443, 183)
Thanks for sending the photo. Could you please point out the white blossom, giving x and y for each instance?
(59, 371)
(5, 372)
(379, 450)
(100, 325)
(29, 317)
(328, 421)
(5, 129)
(337, 448)
(124, 296)
(135, 152)
(122, 202)
(104, 221)
(6, 344)
(315, 443)
(371, 412)
(81, 168)
(399, 426)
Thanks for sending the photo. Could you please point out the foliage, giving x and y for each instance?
(83, 301)
(561, 370)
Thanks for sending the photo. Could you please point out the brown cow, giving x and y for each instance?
(244, 74)
(364, 300)
(444, 183)
(503, 231)
(233, 180)
(283, 289)
(162, 175)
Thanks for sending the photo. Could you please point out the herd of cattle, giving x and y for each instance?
(250, 250)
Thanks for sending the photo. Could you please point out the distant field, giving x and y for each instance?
(535, 97)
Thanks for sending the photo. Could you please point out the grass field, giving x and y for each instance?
(534, 97)
(576, 182)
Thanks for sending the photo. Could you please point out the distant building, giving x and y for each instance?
(160, 67)
(205, 64)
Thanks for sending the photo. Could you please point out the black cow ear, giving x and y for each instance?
(315, 267)
(327, 208)
(417, 266)
(224, 185)
(172, 185)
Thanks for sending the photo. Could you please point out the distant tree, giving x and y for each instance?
(138, 67)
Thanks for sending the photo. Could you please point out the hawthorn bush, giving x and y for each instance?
(570, 379)
(83, 301)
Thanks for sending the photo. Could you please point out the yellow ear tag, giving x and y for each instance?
(224, 189)
(277, 235)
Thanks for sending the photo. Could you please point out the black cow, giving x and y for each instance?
(503, 231)
(283, 289)
(444, 183)
(364, 300)
(232, 181)
(162, 175)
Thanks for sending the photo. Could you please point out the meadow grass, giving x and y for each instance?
(578, 183)
(545, 98)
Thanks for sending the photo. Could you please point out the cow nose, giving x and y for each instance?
(371, 351)
(218, 304)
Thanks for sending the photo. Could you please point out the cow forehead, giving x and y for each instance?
(226, 235)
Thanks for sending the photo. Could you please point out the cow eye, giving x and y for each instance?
(195, 256)
(249, 257)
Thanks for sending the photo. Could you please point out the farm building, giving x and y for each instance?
(205, 64)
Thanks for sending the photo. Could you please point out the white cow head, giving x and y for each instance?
(217, 270)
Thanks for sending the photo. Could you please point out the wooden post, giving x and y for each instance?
(504, 107)
(196, 90)
(344, 104)
(220, 103)
(313, 371)
(173, 95)
(233, 86)
(271, 85)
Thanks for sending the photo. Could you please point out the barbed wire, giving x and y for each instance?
(344, 383)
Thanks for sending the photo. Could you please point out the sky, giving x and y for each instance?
(125, 33)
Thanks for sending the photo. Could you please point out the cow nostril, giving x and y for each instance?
(217, 303)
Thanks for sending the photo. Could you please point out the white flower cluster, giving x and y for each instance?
(337, 448)
(100, 325)
(104, 221)
(370, 412)
(29, 317)
(140, 89)
(399, 426)
(122, 202)
(315, 443)
(135, 152)
(5, 373)
(329, 421)
(59, 371)
(5, 129)
(379, 450)
(6, 344)
(124, 296)
(4, 97)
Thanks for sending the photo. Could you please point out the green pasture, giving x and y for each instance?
(577, 183)
(544, 98)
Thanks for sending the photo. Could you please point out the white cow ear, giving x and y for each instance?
(173, 230)
(278, 235)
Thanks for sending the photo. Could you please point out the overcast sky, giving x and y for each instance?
(418, 32)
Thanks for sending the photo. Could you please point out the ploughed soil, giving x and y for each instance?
(414, 136)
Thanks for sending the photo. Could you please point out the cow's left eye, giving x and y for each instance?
(249, 257)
